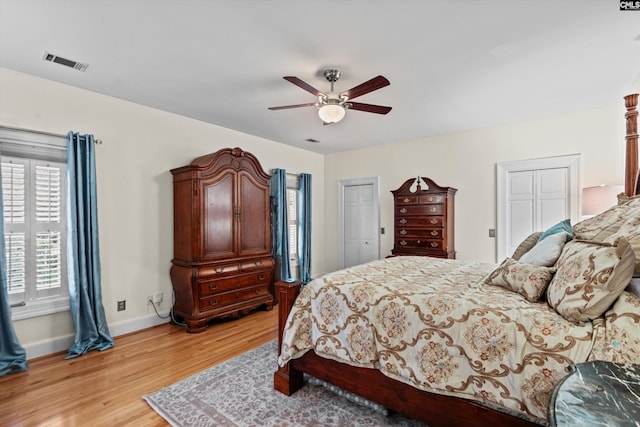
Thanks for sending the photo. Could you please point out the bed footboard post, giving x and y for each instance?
(286, 379)
(632, 177)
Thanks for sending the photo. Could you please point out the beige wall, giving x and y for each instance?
(135, 198)
(467, 161)
(141, 144)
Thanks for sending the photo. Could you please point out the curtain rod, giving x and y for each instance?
(97, 141)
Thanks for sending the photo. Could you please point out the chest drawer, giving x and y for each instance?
(406, 200)
(233, 297)
(412, 221)
(216, 286)
(431, 198)
(435, 209)
(417, 242)
(430, 233)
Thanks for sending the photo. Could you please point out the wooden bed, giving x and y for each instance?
(430, 408)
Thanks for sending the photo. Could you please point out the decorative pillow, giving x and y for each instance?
(589, 278)
(630, 230)
(601, 226)
(547, 251)
(526, 245)
(564, 225)
(528, 280)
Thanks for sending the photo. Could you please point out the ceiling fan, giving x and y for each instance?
(332, 106)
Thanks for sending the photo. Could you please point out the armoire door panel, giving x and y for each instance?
(219, 217)
(254, 236)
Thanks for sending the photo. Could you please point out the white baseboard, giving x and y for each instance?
(62, 344)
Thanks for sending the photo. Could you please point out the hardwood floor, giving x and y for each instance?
(106, 388)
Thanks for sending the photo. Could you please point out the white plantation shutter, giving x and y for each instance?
(13, 191)
(34, 206)
(48, 193)
(33, 167)
(292, 206)
(48, 260)
(13, 204)
(16, 265)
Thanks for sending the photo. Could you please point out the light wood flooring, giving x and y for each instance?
(106, 388)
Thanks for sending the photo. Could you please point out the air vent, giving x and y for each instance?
(64, 61)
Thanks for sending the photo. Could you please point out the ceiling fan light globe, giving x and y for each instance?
(331, 113)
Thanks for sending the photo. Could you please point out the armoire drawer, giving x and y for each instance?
(233, 297)
(217, 286)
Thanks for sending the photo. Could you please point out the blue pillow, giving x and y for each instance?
(559, 228)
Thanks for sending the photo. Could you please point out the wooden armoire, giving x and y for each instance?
(222, 261)
(424, 219)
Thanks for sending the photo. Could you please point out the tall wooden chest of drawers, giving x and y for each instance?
(424, 219)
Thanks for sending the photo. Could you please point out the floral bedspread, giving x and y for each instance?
(433, 324)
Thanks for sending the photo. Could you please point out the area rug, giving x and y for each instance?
(217, 397)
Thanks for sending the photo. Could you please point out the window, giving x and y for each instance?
(33, 169)
(292, 214)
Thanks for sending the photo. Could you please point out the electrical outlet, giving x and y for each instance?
(149, 299)
(122, 305)
(157, 298)
(492, 232)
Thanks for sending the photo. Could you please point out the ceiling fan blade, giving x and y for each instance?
(366, 87)
(304, 85)
(369, 108)
(284, 107)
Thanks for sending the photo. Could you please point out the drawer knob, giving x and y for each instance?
(418, 242)
(434, 244)
(213, 302)
(430, 198)
(213, 287)
(403, 210)
(258, 263)
(218, 269)
(403, 221)
(403, 243)
(261, 277)
(434, 221)
(434, 233)
(258, 291)
(434, 209)
(406, 200)
(403, 232)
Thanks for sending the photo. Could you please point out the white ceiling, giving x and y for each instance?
(453, 65)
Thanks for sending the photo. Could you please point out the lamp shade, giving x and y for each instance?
(331, 113)
(598, 199)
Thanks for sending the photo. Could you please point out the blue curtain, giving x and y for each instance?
(13, 358)
(304, 228)
(280, 222)
(83, 254)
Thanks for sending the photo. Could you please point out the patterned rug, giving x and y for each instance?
(217, 397)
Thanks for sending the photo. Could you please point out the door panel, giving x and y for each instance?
(253, 206)
(359, 224)
(218, 221)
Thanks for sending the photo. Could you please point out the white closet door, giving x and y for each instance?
(359, 237)
(359, 222)
(533, 195)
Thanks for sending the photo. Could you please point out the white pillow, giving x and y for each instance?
(547, 251)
